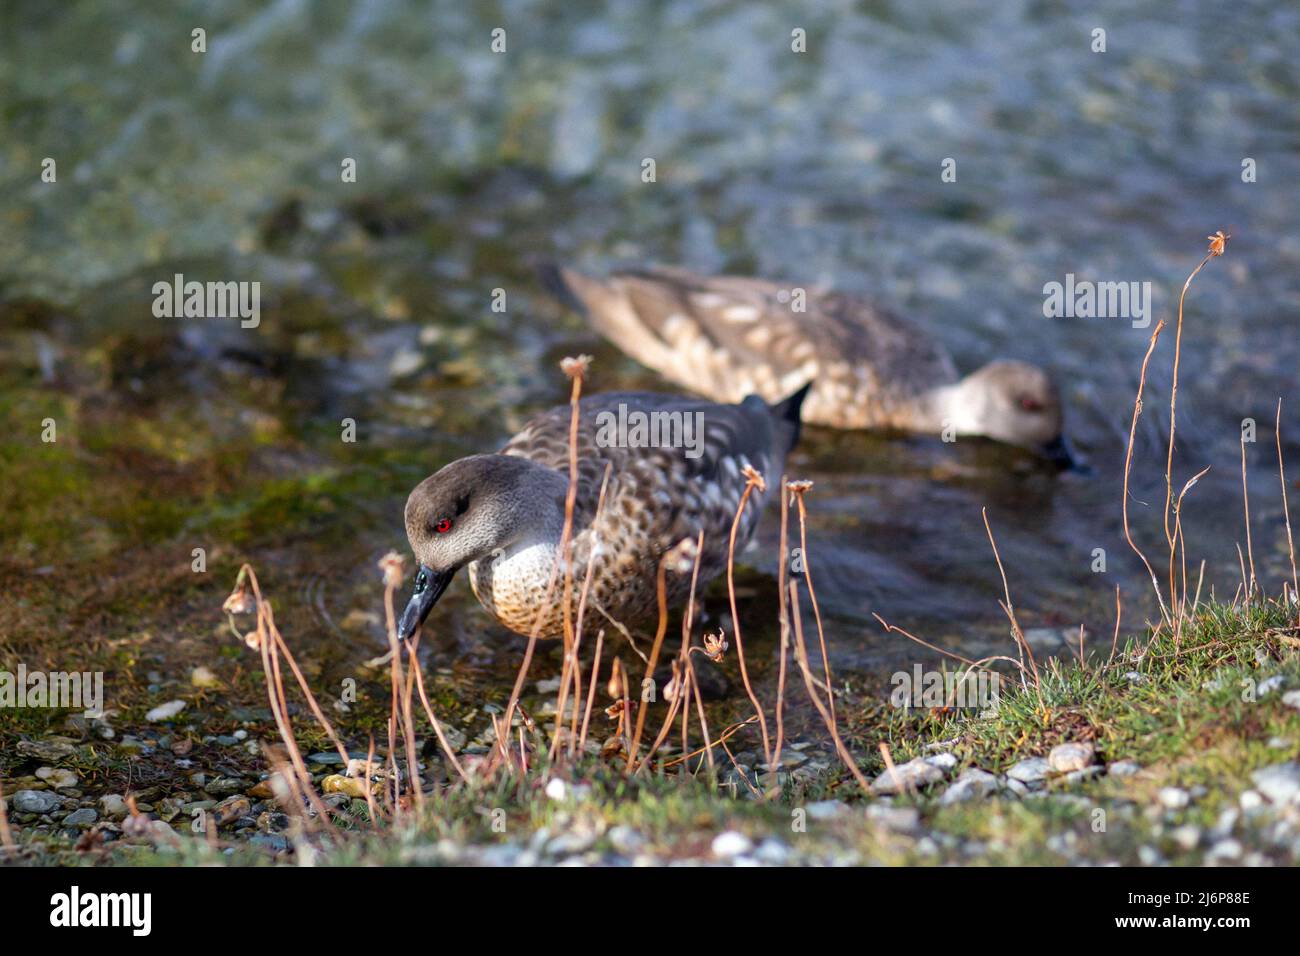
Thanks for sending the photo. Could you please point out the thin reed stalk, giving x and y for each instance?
(801, 657)
(752, 480)
(800, 488)
(1286, 508)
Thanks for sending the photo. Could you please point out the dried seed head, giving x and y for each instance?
(1218, 243)
(681, 558)
(799, 487)
(241, 600)
(715, 646)
(393, 566)
(615, 686)
(754, 478)
(575, 366)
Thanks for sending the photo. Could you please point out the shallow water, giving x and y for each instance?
(817, 168)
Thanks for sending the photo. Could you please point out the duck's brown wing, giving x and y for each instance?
(656, 497)
(727, 337)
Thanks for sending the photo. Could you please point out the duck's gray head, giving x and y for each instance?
(468, 510)
(1012, 402)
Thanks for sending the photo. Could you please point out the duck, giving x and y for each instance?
(726, 336)
(501, 516)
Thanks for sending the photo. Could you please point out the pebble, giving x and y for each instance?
(83, 819)
(50, 750)
(203, 677)
(1251, 801)
(271, 841)
(1031, 771)
(625, 839)
(165, 711)
(34, 801)
(911, 775)
(1270, 684)
(901, 819)
(1188, 837)
(1124, 768)
(1066, 758)
(1087, 773)
(973, 783)
(1174, 798)
(772, 851)
(230, 810)
(731, 844)
(1292, 699)
(226, 786)
(1224, 850)
(1279, 783)
(557, 789)
(826, 809)
(113, 806)
(349, 786)
(57, 778)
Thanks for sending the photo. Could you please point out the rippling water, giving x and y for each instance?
(821, 167)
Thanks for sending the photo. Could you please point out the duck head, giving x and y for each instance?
(468, 510)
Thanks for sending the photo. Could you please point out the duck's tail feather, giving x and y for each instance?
(787, 417)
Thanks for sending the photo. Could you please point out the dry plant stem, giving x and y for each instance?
(437, 727)
(1173, 414)
(371, 808)
(812, 592)
(735, 614)
(280, 705)
(724, 736)
(401, 705)
(591, 690)
(784, 617)
(1114, 640)
(1245, 498)
(1286, 508)
(678, 681)
(1016, 632)
(699, 710)
(979, 664)
(576, 370)
(801, 657)
(1128, 467)
(679, 669)
(574, 663)
(660, 630)
(899, 783)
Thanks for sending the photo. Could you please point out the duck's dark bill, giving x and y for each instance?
(429, 585)
(1059, 452)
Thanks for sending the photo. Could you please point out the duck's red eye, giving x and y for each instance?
(443, 526)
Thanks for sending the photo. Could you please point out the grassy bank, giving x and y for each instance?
(1181, 734)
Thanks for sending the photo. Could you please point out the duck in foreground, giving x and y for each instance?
(676, 468)
(728, 336)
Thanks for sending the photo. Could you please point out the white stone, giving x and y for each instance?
(165, 711)
(731, 844)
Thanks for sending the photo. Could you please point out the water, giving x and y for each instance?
(815, 168)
